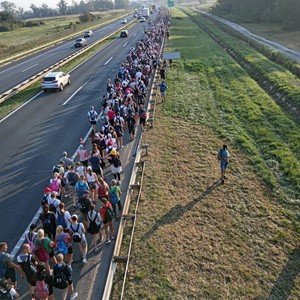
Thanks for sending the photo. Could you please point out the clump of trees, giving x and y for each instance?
(284, 12)
(10, 10)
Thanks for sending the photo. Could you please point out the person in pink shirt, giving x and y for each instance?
(83, 156)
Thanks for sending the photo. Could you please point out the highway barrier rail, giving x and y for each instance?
(25, 84)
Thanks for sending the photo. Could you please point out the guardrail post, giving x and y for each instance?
(145, 146)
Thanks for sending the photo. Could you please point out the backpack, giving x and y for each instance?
(93, 226)
(106, 129)
(27, 266)
(41, 252)
(122, 111)
(45, 199)
(76, 235)
(143, 115)
(163, 88)
(2, 268)
(113, 195)
(80, 189)
(41, 289)
(72, 178)
(84, 205)
(60, 280)
(61, 220)
(52, 207)
(5, 295)
(30, 241)
(54, 185)
(116, 162)
(108, 214)
(92, 115)
(61, 245)
(56, 169)
(47, 224)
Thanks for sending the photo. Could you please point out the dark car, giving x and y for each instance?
(81, 42)
(88, 33)
(124, 33)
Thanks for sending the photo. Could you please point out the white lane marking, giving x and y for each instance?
(134, 34)
(21, 106)
(108, 61)
(125, 44)
(29, 68)
(21, 240)
(72, 95)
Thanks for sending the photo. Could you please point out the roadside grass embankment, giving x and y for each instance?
(245, 103)
(197, 239)
(273, 77)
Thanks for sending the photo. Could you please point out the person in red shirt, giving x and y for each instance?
(111, 116)
(107, 216)
(103, 189)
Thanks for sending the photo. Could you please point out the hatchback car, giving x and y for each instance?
(88, 33)
(123, 21)
(81, 42)
(142, 19)
(56, 81)
(124, 33)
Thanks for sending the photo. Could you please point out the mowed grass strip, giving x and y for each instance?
(197, 239)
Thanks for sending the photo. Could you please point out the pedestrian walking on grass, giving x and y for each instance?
(223, 156)
(163, 90)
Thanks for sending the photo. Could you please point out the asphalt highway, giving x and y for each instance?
(18, 71)
(33, 139)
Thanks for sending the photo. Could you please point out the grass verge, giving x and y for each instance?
(197, 239)
(27, 38)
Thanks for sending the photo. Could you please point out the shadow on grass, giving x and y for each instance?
(286, 280)
(177, 211)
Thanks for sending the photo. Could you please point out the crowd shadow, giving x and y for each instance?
(176, 212)
(286, 280)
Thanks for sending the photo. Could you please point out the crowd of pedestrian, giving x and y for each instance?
(47, 254)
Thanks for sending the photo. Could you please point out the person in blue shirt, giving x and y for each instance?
(223, 156)
(163, 90)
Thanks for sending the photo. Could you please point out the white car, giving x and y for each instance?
(88, 33)
(142, 19)
(123, 21)
(56, 81)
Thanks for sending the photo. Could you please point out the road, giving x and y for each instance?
(16, 72)
(287, 51)
(34, 139)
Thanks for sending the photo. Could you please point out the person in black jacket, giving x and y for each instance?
(62, 274)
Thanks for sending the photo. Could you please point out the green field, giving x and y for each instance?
(24, 39)
(197, 239)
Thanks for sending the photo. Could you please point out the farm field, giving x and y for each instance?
(196, 238)
(52, 29)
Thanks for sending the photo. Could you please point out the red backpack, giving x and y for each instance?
(41, 289)
(41, 252)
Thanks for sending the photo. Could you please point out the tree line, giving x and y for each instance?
(63, 8)
(283, 12)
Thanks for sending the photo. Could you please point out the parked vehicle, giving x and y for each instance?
(81, 42)
(56, 81)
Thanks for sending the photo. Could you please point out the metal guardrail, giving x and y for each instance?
(132, 185)
(23, 85)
